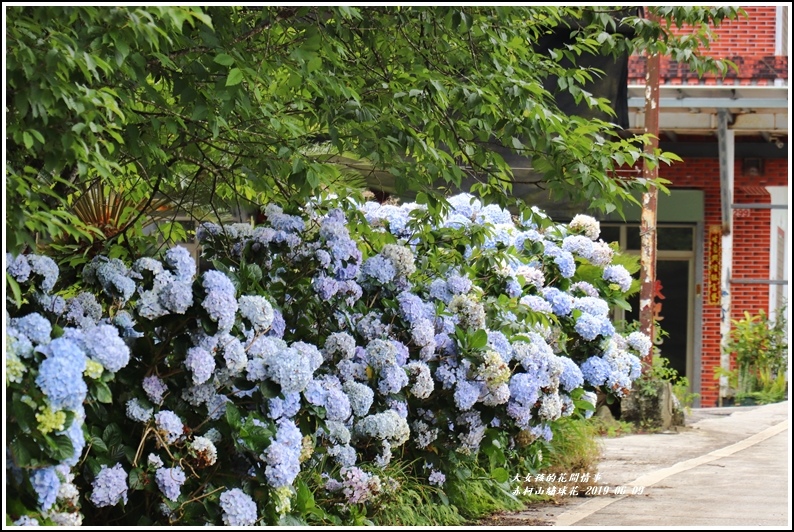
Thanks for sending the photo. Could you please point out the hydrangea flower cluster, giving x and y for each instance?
(376, 344)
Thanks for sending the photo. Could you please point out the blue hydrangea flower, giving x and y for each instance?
(26, 520)
(221, 307)
(596, 370)
(18, 267)
(639, 342)
(437, 478)
(571, 377)
(592, 305)
(290, 370)
(360, 397)
(588, 326)
(215, 281)
(110, 486)
(46, 268)
(239, 509)
(619, 275)
(341, 343)
(46, 484)
(103, 344)
(201, 363)
(536, 303)
(176, 296)
(578, 245)
(283, 455)
(170, 480)
(378, 269)
(76, 436)
(466, 394)
(61, 374)
(170, 425)
(392, 379)
(325, 287)
(563, 259)
(458, 284)
(257, 310)
(182, 263)
(136, 411)
(286, 407)
(35, 326)
(155, 388)
(561, 302)
(83, 310)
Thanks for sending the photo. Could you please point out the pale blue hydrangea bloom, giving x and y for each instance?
(18, 267)
(571, 377)
(536, 303)
(639, 342)
(176, 296)
(52, 304)
(392, 379)
(388, 425)
(339, 343)
(592, 305)
(419, 373)
(378, 269)
(76, 436)
(233, 354)
(578, 245)
(563, 259)
(619, 275)
(290, 370)
(201, 364)
(596, 370)
(110, 486)
(412, 308)
(103, 344)
(286, 407)
(221, 307)
(343, 454)
(239, 509)
(61, 374)
(283, 455)
(584, 288)
(136, 411)
(182, 263)
(524, 389)
(46, 483)
(561, 302)
(360, 396)
(465, 205)
(170, 480)
(35, 326)
(494, 214)
(601, 254)
(155, 388)
(26, 520)
(588, 326)
(499, 343)
(113, 276)
(458, 284)
(438, 290)
(170, 425)
(257, 310)
(437, 478)
(83, 310)
(46, 268)
(550, 407)
(466, 394)
(371, 327)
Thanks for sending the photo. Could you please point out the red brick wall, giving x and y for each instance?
(749, 42)
(750, 247)
(755, 32)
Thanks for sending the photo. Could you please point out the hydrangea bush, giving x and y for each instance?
(318, 347)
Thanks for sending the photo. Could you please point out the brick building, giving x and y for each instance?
(723, 237)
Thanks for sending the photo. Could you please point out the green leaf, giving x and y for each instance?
(233, 417)
(479, 339)
(500, 474)
(224, 59)
(101, 392)
(235, 77)
(17, 293)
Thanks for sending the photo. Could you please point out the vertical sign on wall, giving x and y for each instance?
(715, 265)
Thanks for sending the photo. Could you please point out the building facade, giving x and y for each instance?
(723, 232)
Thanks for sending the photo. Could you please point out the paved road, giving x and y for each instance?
(729, 467)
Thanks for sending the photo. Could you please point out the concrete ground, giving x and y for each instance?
(727, 468)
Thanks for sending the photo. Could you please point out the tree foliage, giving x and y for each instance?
(215, 108)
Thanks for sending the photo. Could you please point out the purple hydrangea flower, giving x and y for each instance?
(239, 509)
(110, 486)
(170, 480)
